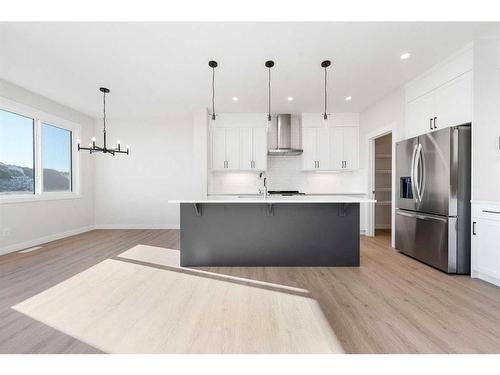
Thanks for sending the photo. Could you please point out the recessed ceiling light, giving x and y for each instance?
(405, 55)
(290, 98)
(348, 98)
(235, 99)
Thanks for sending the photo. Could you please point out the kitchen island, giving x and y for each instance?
(310, 230)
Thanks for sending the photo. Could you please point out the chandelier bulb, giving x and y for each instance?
(93, 139)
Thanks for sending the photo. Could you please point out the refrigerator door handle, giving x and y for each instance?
(421, 167)
(416, 176)
(422, 216)
(412, 173)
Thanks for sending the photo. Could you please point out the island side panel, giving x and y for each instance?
(293, 234)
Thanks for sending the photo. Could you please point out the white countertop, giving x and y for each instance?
(277, 199)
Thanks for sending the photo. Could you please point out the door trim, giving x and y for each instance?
(370, 142)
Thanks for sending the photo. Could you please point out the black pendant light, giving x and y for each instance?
(213, 64)
(269, 65)
(325, 64)
(104, 149)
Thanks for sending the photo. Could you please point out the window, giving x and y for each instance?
(56, 158)
(38, 160)
(17, 163)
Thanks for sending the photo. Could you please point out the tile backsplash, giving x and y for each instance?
(285, 173)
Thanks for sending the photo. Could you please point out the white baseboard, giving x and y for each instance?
(41, 240)
(136, 226)
(485, 277)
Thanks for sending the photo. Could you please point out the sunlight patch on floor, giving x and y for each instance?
(123, 307)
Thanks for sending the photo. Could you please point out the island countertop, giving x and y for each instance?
(277, 199)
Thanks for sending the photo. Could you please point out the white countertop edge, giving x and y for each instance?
(292, 199)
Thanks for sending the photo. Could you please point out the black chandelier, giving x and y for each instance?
(104, 149)
(325, 64)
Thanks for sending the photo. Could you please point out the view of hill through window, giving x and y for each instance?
(17, 167)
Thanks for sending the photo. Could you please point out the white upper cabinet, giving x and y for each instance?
(350, 148)
(219, 148)
(246, 148)
(309, 145)
(315, 120)
(225, 148)
(330, 146)
(454, 102)
(239, 142)
(344, 148)
(259, 148)
(253, 149)
(441, 97)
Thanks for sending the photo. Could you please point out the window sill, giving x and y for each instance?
(12, 199)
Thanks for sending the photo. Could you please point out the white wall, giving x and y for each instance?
(389, 112)
(132, 191)
(486, 121)
(29, 223)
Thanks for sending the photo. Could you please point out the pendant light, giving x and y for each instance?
(104, 149)
(325, 64)
(269, 64)
(213, 64)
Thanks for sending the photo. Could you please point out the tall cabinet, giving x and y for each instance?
(331, 145)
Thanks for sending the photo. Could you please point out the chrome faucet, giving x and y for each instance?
(265, 185)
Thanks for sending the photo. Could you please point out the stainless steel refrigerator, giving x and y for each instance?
(433, 177)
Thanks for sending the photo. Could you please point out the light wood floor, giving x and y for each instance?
(391, 304)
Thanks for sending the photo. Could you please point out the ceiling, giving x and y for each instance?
(160, 69)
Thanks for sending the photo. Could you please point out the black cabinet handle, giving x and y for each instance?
(474, 228)
(435, 126)
(430, 123)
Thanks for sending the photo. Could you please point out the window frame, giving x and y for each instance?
(41, 117)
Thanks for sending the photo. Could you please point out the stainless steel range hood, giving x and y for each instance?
(284, 138)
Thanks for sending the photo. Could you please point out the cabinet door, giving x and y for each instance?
(336, 146)
(246, 149)
(218, 148)
(454, 102)
(323, 148)
(309, 145)
(350, 148)
(260, 149)
(233, 148)
(485, 251)
(419, 113)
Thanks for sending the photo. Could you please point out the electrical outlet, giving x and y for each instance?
(6, 232)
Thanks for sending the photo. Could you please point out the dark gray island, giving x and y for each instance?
(284, 231)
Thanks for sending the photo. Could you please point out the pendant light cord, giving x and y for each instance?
(213, 93)
(104, 106)
(325, 114)
(269, 95)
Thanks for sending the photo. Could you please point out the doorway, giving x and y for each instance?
(382, 187)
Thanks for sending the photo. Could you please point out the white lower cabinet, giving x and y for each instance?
(330, 149)
(235, 148)
(485, 251)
